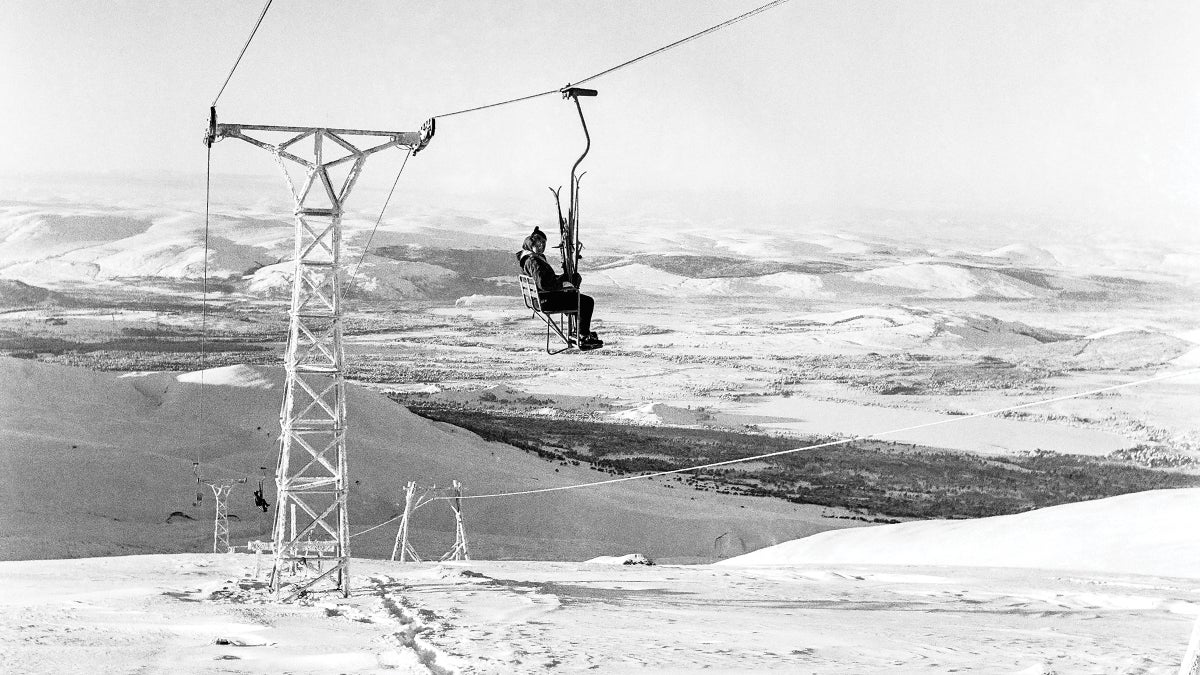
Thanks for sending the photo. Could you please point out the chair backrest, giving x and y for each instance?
(562, 301)
(529, 293)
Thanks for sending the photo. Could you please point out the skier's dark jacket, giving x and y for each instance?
(536, 266)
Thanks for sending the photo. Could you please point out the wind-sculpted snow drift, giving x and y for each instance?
(1143, 533)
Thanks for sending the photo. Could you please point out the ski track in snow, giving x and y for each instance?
(412, 627)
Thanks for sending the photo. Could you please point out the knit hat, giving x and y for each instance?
(533, 236)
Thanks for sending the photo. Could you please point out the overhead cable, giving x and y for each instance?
(689, 38)
(496, 105)
(204, 291)
(706, 31)
(242, 53)
(380, 218)
(949, 420)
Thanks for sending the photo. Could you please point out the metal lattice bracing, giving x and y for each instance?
(402, 549)
(221, 519)
(311, 521)
(459, 552)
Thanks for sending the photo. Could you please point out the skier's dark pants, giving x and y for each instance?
(558, 301)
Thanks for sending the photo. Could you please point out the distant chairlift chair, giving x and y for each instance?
(559, 310)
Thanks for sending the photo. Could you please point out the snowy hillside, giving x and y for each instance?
(950, 281)
(51, 248)
(98, 462)
(374, 279)
(650, 281)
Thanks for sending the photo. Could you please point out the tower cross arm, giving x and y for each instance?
(417, 140)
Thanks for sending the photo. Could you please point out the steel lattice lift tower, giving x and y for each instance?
(311, 526)
(220, 490)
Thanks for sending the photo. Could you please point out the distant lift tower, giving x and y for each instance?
(321, 166)
(221, 519)
(220, 490)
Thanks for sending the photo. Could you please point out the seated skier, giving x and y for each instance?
(533, 261)
(261, 501)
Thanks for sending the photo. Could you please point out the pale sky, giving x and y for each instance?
(1086, 111)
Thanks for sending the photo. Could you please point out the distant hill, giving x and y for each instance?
(930, 280)
(15, 294)
(442, 256)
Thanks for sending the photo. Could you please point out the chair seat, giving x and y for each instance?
(559, 302)
(563, 303)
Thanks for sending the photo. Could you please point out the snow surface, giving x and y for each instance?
(627, 559)
(228, 376)
(193, 613)
(1145, 533)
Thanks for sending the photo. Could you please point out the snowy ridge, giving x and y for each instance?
(56, 245)
(375, 279)
(1026, 254)
(651, 281)
(84, 245)
(950, 281)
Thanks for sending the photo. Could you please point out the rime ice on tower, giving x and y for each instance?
(321, 165)
(220, 490)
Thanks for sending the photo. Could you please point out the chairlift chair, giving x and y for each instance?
(560, 317)
(260, 500)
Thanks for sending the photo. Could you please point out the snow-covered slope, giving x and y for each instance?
(934, 280)
(1142, 533)
(1126, 349)
(374, 279)
(1026, 254)
(79, 245)
(646, 280)
(96, 463)
(911, 327)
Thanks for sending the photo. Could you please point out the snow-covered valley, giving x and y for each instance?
(106, 408)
